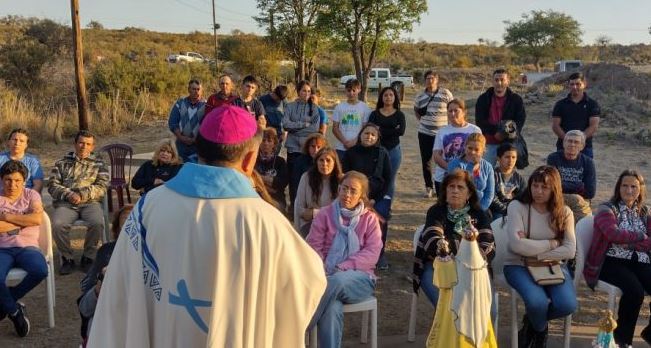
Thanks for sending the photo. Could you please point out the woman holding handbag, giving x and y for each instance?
(540, 232)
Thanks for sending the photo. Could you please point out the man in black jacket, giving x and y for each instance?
(499, 103)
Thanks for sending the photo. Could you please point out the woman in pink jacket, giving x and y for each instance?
(347, 236)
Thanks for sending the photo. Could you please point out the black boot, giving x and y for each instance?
(540, 339)
(525, 335)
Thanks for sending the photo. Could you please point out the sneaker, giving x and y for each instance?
(21, 323)
(429, 192)
(382, 264)
(67, 266)
(85, 263)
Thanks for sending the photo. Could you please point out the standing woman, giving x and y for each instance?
(430, 108)
(317, 188)
(540, 228)
(272, 168)
(391, 120)
(163, 166)
(346, 235)
(450, 142)
(482, 173)
(301, 119)
(619, 252)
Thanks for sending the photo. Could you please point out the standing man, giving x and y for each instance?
(225, 95)
(184, 120)
(249, 102)
(16, 150)
(274, 107)
(499, 103)
(77, 185)
(431, 109)
(221, 267)
(348, 118)
(576, 111)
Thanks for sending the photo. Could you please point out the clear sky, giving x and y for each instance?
(455, 21)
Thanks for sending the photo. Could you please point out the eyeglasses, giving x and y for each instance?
(348, 190)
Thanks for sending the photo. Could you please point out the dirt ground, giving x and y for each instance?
(394, 287)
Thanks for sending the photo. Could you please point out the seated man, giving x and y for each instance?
(77, 184)
(16, 147)
(21, 213)
(578, 175)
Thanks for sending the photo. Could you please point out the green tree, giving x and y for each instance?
(95, 25)
(542, 35)
(292, 25)
(366, 28)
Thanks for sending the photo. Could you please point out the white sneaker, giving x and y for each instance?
(429, 192)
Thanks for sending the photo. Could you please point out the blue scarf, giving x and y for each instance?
(346, 241)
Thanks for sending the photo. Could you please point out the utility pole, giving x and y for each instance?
(82, 101)
(215, 26)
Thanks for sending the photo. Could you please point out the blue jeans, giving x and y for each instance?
(542, 303)
(186, 152)
(29, 259)
(395, 157)
(432, 292)
(490, 155)
(343, 287)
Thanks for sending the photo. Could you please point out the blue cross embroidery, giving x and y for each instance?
(183, 299)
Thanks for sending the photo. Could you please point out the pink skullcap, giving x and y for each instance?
(228, 125)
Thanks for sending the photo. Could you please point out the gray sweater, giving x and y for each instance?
(299, 123)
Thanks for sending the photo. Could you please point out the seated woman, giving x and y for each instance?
(619, 252)
(372, 159)
(457, 207)
(346, 235)
(472, 161)
(318, 188)
(21, 213)
(508, 182)
(540, 228)
(91, 284)
(312, 145)
(164, 165)
(272, 168)
(462, 318)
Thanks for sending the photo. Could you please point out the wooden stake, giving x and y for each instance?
(82, 101)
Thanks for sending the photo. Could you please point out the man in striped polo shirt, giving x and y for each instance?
(430, 108)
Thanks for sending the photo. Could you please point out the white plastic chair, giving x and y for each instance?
(584, 231)
(411, 333)
(368, 307)
(16, 275)
(501, 245)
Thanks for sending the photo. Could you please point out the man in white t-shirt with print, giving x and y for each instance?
(349, 117)
(450, 141)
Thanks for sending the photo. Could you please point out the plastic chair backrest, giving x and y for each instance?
(583, 231)
(45, 237)
(419, 231)
(117, 156)
(501, 246)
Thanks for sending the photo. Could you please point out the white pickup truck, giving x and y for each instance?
(560, 66)
(186, 57)
(381, 77)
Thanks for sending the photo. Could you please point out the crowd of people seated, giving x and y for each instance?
(338, 198)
